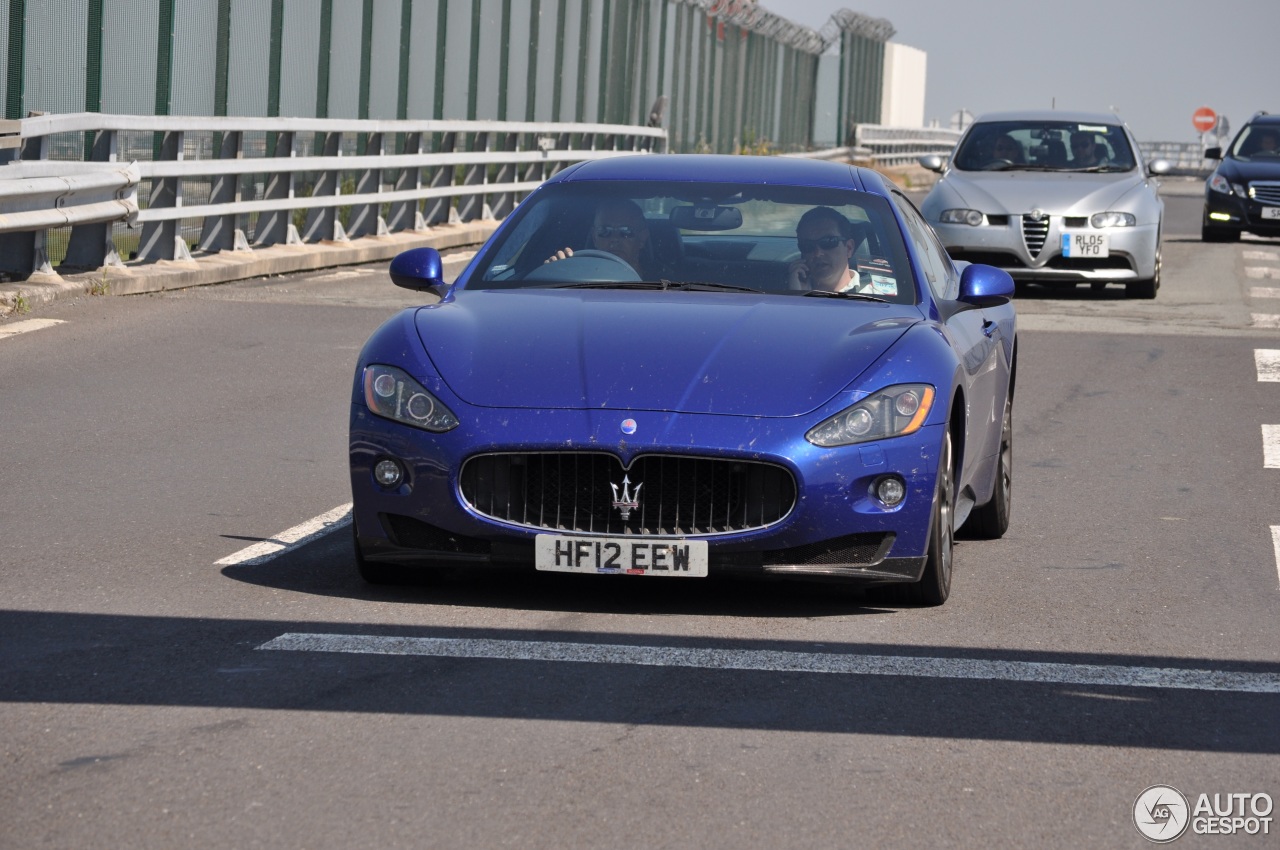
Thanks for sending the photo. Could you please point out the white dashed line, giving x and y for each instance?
(1257, 272)
(1271, 446)
(787, 662)
(1264, 292)
(1261, 255)
(1268, 363)
(1261, 320)
(287, 541)
(27, 326)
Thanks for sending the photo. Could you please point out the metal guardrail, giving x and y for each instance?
(1187, 158)
(894, 146)
(249, 177)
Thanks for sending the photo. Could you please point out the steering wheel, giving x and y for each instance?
(586, 266)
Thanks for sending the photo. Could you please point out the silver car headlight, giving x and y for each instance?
(891, 412)
(973, 218)
(392, 394)
(1114, 219)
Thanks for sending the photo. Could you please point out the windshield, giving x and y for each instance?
(714, 237)
(1258, 141)
(1044, 146)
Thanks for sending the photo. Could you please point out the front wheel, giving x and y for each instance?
(1145, 288)
(991, 520)
(935, 584)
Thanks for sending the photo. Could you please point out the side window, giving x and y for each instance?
(934, 261)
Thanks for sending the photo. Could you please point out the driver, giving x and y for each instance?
(826, 242)
(619, 227)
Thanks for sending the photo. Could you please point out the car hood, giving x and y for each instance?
(1239, 170)
(1056, 193)
(686, 352)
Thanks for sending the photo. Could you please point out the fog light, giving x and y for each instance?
(891, 491)
(387, 473)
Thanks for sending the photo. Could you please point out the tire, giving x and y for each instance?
(1146, 288)
(935, 584)
(371, 571)
(991, 520)
(1218, 234)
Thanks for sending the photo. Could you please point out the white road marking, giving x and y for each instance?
(1264, 292)
(1257, 272)
(1268, 363)
(1271, 446)
(787, 662)
(1261, 320)
(27, 326)
(287, 541)
(1261, 255)
(1275, 543)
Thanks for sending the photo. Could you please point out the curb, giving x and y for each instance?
(137, 278)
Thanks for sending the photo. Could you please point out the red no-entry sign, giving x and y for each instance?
(1204, 119)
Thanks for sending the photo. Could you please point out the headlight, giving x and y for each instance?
(392, 394)
(1113, 219)
(891, 412)
(1218, 183)
(973, 218)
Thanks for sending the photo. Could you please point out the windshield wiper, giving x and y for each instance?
(856, 296)
(706, 286)
(603, 284)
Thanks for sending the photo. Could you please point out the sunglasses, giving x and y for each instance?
(826, 243)
(608, 231)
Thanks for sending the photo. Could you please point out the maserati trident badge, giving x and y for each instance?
(627, 501)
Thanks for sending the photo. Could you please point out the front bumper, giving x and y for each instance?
(1132, 251)
(1231, 212)
(836, 528)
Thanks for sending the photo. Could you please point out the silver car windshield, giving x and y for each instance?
(1044, 146)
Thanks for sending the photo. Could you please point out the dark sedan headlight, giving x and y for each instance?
(392, 394)
(891, 412)
(973, 218)
(1114, 219)
(1218, 183)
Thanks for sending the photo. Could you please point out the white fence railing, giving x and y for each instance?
(234, 183)
(894, 146)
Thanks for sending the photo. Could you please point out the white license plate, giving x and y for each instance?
(1076, 244)
(1271, 212)
(626, 555)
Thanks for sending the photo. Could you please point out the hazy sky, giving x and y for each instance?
(1154, 61)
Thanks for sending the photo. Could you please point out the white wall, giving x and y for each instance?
(902, 101)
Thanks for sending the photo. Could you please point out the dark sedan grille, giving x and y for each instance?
(674, 496)
(1034, 232)
(1266, 191)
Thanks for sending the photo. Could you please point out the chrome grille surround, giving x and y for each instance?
(1034, 233)
(1265, 191)
(678, 495)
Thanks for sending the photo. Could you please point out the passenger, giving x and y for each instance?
(619, 227)
(826, 241)
(1085, 151)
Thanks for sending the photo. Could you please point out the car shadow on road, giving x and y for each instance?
(326, 567)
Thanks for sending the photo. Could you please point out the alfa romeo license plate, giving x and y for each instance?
(1077, 244)
(625, 555)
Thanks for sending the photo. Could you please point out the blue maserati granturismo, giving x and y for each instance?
(686, 366)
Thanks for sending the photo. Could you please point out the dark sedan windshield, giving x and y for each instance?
(1044, 146)
(704, 237)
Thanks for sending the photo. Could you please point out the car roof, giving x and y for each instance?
(1264, 118)
(713, 168)
(1052, 115)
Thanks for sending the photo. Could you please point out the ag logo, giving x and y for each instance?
(1161, 814)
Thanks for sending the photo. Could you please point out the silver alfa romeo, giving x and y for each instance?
(1058, 198)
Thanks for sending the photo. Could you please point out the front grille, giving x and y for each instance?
(1034, 233)
(673, 496)
(1115, 262)
(1266, 191)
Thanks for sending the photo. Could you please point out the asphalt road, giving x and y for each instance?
(148, 699)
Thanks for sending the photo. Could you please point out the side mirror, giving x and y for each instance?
(1157, 167)
(933, 162)
(985, 286)
(1213, 153)
(421, 270)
